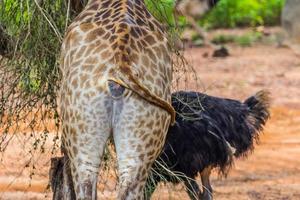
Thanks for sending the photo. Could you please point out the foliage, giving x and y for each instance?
(163, 10)
(223, 39)
(29, 76)
(232, 13)
(244, 40)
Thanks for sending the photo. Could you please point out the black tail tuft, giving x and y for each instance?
(259, 112)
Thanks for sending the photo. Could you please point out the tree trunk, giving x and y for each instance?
(61, 179)
(77, 6)
(291, 23)
(6, 43)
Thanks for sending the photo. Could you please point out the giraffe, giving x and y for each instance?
(116, 72)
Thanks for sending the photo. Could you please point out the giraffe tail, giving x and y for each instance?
(134, 85)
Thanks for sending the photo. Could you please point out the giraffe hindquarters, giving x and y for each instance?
(139, 134)
(86, 128)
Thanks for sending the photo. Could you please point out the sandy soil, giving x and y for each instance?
(271, 172)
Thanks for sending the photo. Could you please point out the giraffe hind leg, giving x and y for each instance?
(85, 133)
(139, 133)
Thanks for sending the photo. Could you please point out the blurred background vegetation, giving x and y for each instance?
(237, 13)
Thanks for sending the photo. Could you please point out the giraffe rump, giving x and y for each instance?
(209, 132)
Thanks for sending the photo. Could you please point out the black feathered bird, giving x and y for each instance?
(208, 133)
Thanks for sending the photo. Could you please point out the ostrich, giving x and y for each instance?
(208, 133)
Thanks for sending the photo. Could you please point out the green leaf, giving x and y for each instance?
(163, 10)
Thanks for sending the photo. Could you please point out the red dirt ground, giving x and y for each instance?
(271, 172)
